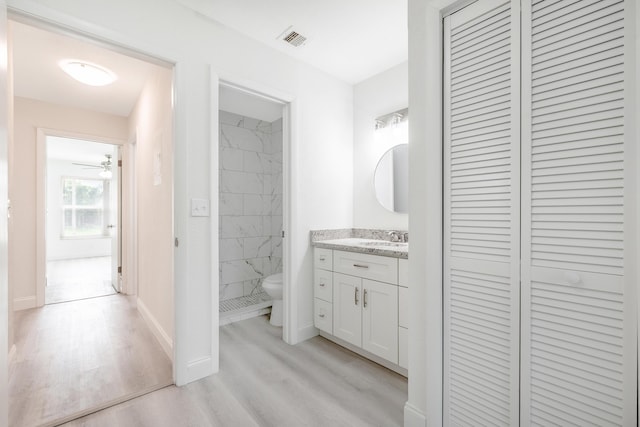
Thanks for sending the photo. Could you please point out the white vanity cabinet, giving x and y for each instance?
(364, 302)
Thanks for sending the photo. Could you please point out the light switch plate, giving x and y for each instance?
(199, 207)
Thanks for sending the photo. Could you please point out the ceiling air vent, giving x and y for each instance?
(292, 37)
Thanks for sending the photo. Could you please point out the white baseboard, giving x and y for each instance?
(11, 358)
(165, 340)
(307, 332)
(362, 352)
(199, 368)
(413, 417)
(12, 354)
(24, 303)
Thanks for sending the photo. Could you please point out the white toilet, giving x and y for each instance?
(272, 285)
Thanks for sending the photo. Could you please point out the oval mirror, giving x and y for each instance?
(391, 179)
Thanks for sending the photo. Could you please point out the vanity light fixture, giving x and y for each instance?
(88, 73)
(392, 119)
(396, 118)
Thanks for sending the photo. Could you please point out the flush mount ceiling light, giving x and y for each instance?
(88, 73)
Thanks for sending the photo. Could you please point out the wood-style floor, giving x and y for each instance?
(78, 278)
(266, 382)
(77, 355)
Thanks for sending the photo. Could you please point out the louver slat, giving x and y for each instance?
(575, 341)
(481, 207)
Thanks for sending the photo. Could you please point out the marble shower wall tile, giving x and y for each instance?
(250, 203)
(231, 204)
(255, 247)
(231, 290)
(241, 226)
(242, 182)
(256, 204)
(242, 139)
(241, 270)
(252, 287)
(231, 249)
(231, 159)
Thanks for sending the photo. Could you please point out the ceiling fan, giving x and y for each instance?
(105, 167)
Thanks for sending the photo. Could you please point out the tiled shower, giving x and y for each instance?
(250, 211)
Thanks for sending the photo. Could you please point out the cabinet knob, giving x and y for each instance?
(321, 315)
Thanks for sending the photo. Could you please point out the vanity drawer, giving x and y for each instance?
(323, 315)
(403, 307)
(323, 285)
(323, 258)
(403, 272)
(374, 267)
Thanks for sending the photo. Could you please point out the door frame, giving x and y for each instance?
(289, 150)
(41, 201)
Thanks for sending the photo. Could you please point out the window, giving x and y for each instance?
(83, 207)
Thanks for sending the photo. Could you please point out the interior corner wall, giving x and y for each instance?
(381, 94)
(150, 125)
(29, 115)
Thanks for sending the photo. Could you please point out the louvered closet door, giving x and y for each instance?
(481, 196)
(578, 300)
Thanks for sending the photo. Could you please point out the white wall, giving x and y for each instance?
(150, 125)
(379, 95)
(57, 247)
(29, 116)
(322, 141)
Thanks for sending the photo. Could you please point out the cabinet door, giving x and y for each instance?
(481, 215)
(380, 319)
(347, 315)
(579, 349)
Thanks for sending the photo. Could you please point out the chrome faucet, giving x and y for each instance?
(398, 236)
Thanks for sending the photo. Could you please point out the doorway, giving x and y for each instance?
(75, 356)
(82, 219)
(251, 196)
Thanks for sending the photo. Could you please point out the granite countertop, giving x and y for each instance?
(359, 240)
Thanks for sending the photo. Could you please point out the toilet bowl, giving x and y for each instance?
(272, 285)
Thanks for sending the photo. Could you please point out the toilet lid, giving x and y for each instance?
(274, 279)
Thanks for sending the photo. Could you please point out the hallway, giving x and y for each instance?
(80, 355)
